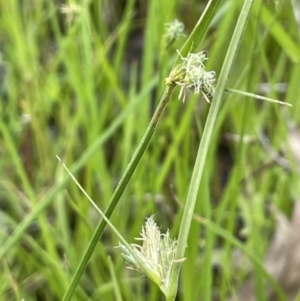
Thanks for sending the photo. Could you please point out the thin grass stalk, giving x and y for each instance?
(203, 148)
(119, 190)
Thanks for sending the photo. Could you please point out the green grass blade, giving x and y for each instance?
(43, 204)
(235, 242)
(252, 95)
(118, 192)
(200, 29)
(204, 145)
(280, 34)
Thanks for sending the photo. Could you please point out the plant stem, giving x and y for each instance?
(119, 190)
(203, 149)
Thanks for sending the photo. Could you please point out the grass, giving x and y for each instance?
(73, 87)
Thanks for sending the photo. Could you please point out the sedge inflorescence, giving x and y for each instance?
(191, 74)
(157, 252)
(174, 30)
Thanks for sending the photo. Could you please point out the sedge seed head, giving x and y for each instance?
(191, 74)
(174, 30)
(157, 251)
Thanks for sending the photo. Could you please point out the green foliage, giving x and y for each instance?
(82, 82)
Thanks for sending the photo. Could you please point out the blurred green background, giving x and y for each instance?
(81, 80)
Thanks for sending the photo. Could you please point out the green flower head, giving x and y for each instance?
(191, 74)
(157, 252)
(174, 30)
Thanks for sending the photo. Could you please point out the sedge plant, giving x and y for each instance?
(191, 74)
(160, 257)
(192, 42)
(188, 73)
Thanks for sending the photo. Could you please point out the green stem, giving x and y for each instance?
(119, 190)
(203, 149)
